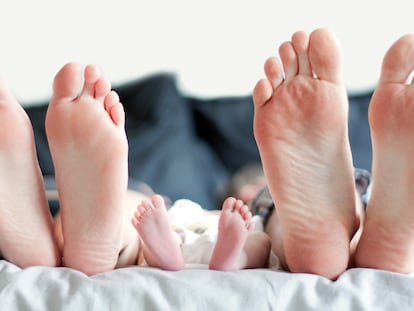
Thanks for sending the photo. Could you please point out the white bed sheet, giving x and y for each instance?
(196, 288)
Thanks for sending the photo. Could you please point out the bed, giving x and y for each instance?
(196, 288)
(176, 140)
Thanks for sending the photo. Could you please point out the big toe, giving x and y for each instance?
(68, 82)
(398, 62)
(6, 97)
(158, 201)
(325, 55)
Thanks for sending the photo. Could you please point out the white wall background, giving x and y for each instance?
(215, 47)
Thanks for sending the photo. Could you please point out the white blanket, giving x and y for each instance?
(196, 288)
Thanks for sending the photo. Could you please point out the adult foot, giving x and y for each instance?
(301, 129)
(26, 237)
(161, 246)
(387, 241)
(233, 228)
(85, 130)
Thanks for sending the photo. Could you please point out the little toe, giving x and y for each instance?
(250, 226)
(115, 109)
(262, 92)
(135, 222)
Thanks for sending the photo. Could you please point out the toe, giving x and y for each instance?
(245, 213)
(300, 42)
(102, 88)
(398, 62)
(147, 205)
(289, 59)
(157, 201)
(92, 75)
(141, 209)
(137, 217)
(115, 109)
(239, 204)
(250, 226)
(325, 56)
(135, 222)
(228, 204)
(68, 82)
(111, 99)
(262, 92)
(274, 71)
(5, 95)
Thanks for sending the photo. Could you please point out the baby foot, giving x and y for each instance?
(26, 237)
(161, 246)
(387, 241)
(85, 130)
(301, 129)
(234, 226)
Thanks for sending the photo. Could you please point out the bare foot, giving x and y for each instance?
(234, 226)
(161, 244)
(85, 130)
(387, 241)
(26, 237)
(301, 128)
